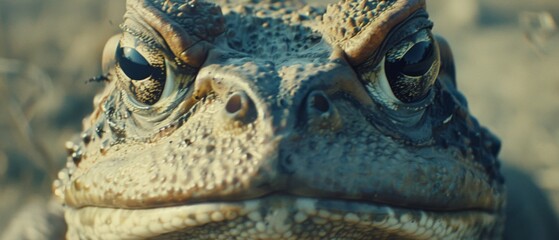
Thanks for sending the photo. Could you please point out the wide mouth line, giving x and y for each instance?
(335, 203)
(277, 214)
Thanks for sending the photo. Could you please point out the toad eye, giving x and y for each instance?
(133, 64)
(145, 78)
(412, 66)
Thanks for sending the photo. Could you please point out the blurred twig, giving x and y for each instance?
(538, 28)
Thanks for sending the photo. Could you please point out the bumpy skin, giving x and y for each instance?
(274, 123)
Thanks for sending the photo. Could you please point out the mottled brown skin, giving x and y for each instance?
(275, 121)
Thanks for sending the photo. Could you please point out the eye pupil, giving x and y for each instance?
(145, 79)
(418, 60)
(133, 64)
(412, 66)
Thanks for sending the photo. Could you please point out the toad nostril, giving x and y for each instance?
(234, 104)
(239, 107)
(319, 102)
(321, 114)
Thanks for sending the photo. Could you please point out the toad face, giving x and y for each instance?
(275, 120)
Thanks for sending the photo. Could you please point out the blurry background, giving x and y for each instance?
(506, 52)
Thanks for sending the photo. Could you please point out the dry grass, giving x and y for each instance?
(47, 51)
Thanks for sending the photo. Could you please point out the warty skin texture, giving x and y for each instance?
(272, 122)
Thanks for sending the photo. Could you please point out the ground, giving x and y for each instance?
(49, 48)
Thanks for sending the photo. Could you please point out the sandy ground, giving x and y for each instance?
(49, 48)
